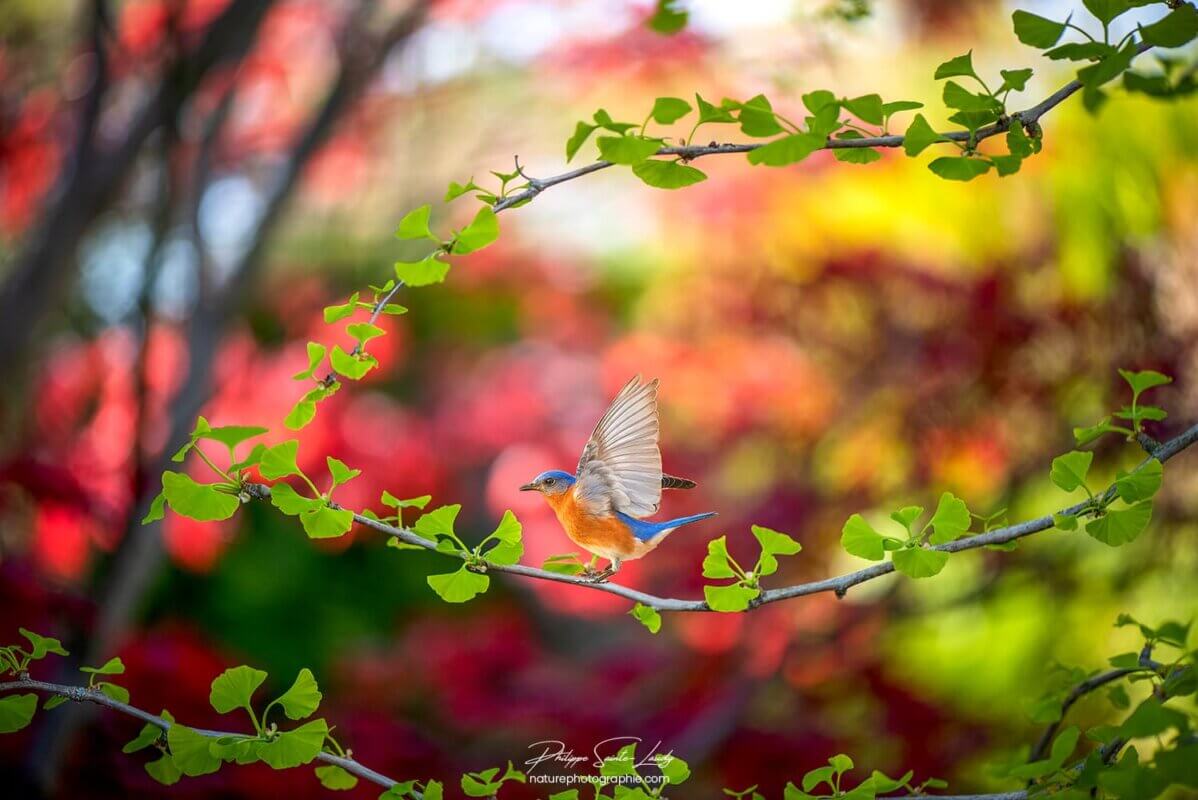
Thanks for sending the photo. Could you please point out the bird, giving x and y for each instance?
(603, 506)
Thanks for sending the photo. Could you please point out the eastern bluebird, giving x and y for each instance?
(618, 483)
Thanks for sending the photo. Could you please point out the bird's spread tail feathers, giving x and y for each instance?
(673, 482)
(650, 530)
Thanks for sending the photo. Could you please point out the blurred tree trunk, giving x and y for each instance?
(140, 553)
(95, 173)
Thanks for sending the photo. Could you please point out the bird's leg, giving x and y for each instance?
(591, 571)
(599, 576)
(612, 568)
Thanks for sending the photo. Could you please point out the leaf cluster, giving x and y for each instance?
(913, 553)
(504, 546)
(745, 588)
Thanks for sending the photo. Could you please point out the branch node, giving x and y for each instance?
(534, 184)
(1149, 444)
(1146, 657)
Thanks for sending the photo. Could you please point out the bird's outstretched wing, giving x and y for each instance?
(620, 468)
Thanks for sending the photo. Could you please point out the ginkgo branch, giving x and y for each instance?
(82, 694)
(1026, 117)
(1040, 749)
(839, 585)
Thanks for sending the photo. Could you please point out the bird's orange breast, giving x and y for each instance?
(605, 536)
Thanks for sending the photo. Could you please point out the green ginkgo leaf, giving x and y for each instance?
(16, 711)
(1037, 31)
(459, 586)
(647, 616)
(303, 698)
(735, 597)
(164, 770)
(662, 174)
(673, 768)
(482, 231)
(113, 666)
(1140, 484)
(41, 646)
(340, 473)
(716, 562)
(1069, 471)
(296, 747)
(858, 538)
(191, 751)
(669, 109)
(960, 66)
(627, 150)
(414, 224)
(916, 562)
(786, 150)
(1120, 526)
(150, 734)
(335, 778)
(773, 543)
(279, 461)
(509, 546)
(951, 520)
(234, 688)
(323, 522)
(959, 168)
(425, 272)
(199, 501)
(919, 136)
(438, 522)
(316, 353)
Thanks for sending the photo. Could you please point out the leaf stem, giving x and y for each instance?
(254, 718)
(645, 124)
(211, 465)
(311, 485)
(336, 747)
(1082, 31)
(863, 131)
(793, 126)
(978, 78)
(6, 653)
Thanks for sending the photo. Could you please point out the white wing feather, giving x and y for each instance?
(620, 468)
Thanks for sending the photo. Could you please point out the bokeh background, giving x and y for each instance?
(831, 339)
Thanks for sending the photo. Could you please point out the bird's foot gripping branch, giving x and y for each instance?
(1101, 761)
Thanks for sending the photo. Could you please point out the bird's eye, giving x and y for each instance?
(549, 481)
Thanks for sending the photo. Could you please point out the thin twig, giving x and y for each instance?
(839, 585)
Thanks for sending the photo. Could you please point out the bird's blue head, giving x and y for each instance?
(553, 482)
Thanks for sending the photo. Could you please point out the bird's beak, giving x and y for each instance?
(528, 487)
